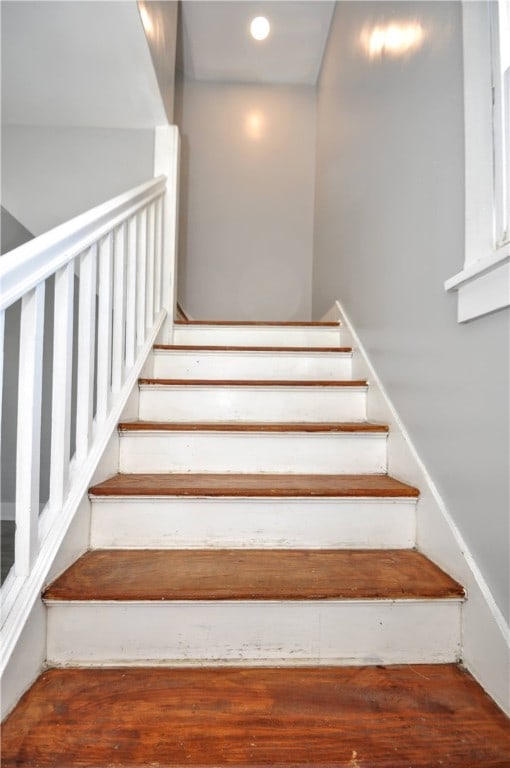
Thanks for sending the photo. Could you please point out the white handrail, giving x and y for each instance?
(23, 268)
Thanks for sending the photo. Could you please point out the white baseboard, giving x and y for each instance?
(485, 633)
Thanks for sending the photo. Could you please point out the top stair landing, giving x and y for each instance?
(260, 334)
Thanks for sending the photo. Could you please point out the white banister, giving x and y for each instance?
(29, 429)
(112, 258)
(62, 378)
(26, 266)
(86, 352)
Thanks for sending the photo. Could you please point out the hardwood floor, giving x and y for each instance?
(422, 716)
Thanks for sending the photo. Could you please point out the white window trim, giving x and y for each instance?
(483, 285)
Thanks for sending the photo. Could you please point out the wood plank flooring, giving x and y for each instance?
(254, 485)
(208, 574)
(348, 717)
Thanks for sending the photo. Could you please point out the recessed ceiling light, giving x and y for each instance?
(259, 28)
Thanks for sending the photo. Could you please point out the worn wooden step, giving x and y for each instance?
(247, 400)
(232, 510)
(255, 485)
(257, 334)
(371, 717)
(261, 323)
(241, 362)
(273, 447)
(253, 575)
(253, 606)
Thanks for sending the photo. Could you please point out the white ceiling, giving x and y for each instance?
(217, 46)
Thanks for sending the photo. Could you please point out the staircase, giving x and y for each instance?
(252, 595)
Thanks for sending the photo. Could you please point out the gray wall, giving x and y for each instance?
(12, 232)
(160, 22)
(50, 174)
(389, 231)
(247, 186)
(77, 64)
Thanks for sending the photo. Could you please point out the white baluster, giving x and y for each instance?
(86, 352)
(141, 282)
(104, 329)
(158, 255)
(2, 363)
(119, 308)
(131, 292)
(150, 267)
(29, 430)
(62, 376)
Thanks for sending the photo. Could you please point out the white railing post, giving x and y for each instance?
(62, 378)
(29, 429)
(86, 352)
(166, 162)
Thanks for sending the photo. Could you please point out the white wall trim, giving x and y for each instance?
(485, 633)
(483, 285)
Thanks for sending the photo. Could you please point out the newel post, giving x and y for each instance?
(166, 163)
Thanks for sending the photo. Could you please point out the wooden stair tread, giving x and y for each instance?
(370, 717)
(224, 348)
(262, 323)
(241, 574)
(236, 426)
(252, 383)
(254, 485)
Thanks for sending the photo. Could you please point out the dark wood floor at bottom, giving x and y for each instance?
(359, 717)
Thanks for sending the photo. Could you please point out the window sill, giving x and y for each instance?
(483, 286)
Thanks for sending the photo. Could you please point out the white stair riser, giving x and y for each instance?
(248, 452)
(257, 336)
(342, 632)
(247, 403)
(251, 365)
(177, 523)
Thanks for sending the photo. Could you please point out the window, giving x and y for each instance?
(483, 285)
(500, 28)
